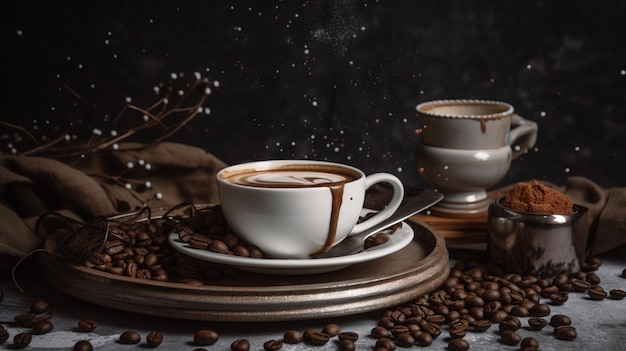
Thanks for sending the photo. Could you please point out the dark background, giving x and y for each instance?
(335, 80)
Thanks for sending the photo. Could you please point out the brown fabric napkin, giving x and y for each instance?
(607, 213)
(161, 175)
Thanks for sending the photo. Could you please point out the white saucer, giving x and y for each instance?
(398, 240)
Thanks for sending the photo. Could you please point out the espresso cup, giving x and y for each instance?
(296, 208)
(466, 147)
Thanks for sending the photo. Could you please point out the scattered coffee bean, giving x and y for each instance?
(510, 337)
(559, 298)
(240, 345)
(458, 345)
(292, 337)
(559, 320)
(87, 325)
(579, 285)
(43, 327)
(480, 325)
(565, 332)
(346, 345)
(529, 343)
(386, 344)
(272, 345)
(82, 345)
(352, 336)
(40, 306)
(27, 320)
(424, 339)
(154, 338)
(617, 294)
(405, 340)
(318, 338)
(537, 323)
(511, 323)
(540, 310)
(129, 337)
(380, 332)
(204, 337)
(597, 293)
(592, 278)
(22, 340)
(331, 329)
(624, 273)
(4, 334)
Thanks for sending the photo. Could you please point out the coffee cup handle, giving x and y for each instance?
(522, 135)
(392, 206)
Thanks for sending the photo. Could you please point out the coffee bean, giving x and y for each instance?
(204, 337)
(129, 337)
(498, 316)
(405, 340)
(529, 343)
(457, 333)
(433, 329)
(539, 310)
(346, 345)
(27, 319)
(331, 329)
(424, 339)
(184, 233)
(565, 332)
(352, 336)
(519, 311)
(592, 278)
(43, 327)
(537, 323)
(22, 340)
(240, 345)
(40, 306)
(559, 320)
(114, 247)
(385, 343)
(624, 273)
(272, 345)
(154, 338)
(87, 325)
(82, 345)
(318, 338)
(510, 323)
(199, 241)
(597, 293)
(4, 334)
(480, 325)
(617, 294)
(559, 298)
(219, 246)
(458, 345)
(292, 336)
(380, 332)
(510, 337)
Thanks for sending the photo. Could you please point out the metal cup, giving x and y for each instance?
(535, 244)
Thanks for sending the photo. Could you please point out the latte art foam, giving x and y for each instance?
(289, 179)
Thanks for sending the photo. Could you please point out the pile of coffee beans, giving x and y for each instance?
(138, 247)
(470, 301)
(473, 301)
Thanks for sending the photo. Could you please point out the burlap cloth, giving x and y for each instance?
(158, 176)
(112, 182)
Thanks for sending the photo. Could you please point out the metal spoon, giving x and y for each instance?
(354, 243)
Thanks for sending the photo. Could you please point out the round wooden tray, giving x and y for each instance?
(414, 271)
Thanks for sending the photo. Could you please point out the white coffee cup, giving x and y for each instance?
(295, 208)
